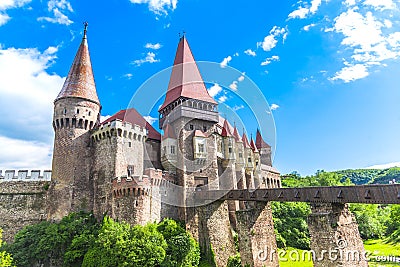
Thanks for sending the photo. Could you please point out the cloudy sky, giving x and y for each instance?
(329, 70)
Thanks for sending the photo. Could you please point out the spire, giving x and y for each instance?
(253, 146)
(260, 143)
(245, 141)
(226, 132)
(169, 132)
(80, 81)
(236, 134)
(185, 80)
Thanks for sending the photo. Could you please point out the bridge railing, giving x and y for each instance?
(369, 194)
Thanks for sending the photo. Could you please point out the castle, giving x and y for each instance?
(125, 168)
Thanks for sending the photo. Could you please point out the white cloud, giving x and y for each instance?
(104, 118)
(150, 119)
(250, 52)
(4, 18)
(128, 76)
(225, 61)
(269, 60)
(222, 99)
(150, 58)
(270, 40)
(153, 46)
(58, 8)
(234, 85)
(214, 90)
(364, 39)
(302, 12)
(236, 54)
(27, 93)
(351, 73)
(236, 108)
(158, 7)
(274, 107)
(9, 4)
(350, 2)
(380, 4)
(307, 27)
(384, 166)
(26, 155)
(241, 78)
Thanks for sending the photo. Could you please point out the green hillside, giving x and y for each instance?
(371, 176)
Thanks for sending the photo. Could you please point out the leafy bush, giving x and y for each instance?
(5, 258)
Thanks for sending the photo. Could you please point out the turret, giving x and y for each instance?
(264, 149)
(76, 112)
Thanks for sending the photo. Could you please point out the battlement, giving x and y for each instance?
(121, 129)
(22, 175)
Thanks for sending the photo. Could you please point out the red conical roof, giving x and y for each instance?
(226, 132)
(253, 146)
(185, 80)
(80, 82)
(260, 143)
(236, 134)
(169, 132)
(245, 141)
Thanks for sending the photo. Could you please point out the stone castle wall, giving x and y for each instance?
(22, 201)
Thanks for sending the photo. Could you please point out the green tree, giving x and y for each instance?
(6, 259)
(371, 219)
(66, 241)
(119, 244)
(182, 250)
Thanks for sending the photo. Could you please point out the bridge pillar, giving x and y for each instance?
(229, 180)
(335, 238)
(257, 242)
(241, 182)
(210, 225)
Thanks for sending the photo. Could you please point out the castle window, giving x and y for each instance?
(240, 155)
(256, 163)
(65, 111)
(89, 113)
(249, 160)
(230, 150)
(172, 149)
(164, 150)
(77, 111)
(129, 144)
(201, 148)
(130, 170)
(204, 128)
(191, 127)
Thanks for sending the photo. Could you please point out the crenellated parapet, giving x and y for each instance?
(24, 175)
(122, 129)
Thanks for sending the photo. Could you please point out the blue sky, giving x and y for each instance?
(328, 69)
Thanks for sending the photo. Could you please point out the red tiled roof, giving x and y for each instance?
(245, 141)
(199, 133)
(169, 132)
(80, 80)
(132, 116)
(253, 146)
(236, 134)
(185, 80)
(226, 131)
(260, 143)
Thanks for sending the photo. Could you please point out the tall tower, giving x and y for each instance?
(191, 114)
(76, 112)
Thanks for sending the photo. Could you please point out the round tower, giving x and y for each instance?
(76, 113)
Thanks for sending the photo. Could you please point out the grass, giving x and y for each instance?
(379, 248)
(376, 247)
(293, 257)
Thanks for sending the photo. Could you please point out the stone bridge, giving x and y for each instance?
(334, 235)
